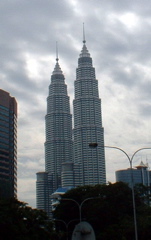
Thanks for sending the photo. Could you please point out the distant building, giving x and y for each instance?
(56, 196)
(141, 175)
(42, 191)
(89, 164)
(8, 145)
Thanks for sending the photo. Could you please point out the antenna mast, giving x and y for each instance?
(84, 41)
(57, 59)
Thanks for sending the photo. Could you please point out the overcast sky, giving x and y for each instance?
(118, 37)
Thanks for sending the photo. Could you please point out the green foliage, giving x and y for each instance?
(143, 192)
(20, 222)
(110, 212)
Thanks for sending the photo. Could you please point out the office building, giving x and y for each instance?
(89, 163)
(42, 191)
(58, 144)
(8, 145)
(141, 175)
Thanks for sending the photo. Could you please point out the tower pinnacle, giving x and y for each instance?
(84, 41)
(57, 69)
(57, 59)
(84, 51)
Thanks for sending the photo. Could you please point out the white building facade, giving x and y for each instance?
(58, 144)
(89, 163)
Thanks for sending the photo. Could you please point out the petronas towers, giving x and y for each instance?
(69, 161)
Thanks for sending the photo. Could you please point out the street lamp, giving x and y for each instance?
(66, 224)
(94, 145)
(79, 205)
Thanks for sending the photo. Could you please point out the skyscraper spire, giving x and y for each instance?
(84, 51)
(57, 59)
(57, 69)
(84, 41)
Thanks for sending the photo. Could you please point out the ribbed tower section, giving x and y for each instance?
(89, 163)
(58, 145)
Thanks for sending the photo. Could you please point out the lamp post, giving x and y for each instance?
(130, 159)
(66, 224)
(79, 205)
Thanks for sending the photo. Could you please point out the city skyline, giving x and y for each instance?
(118, 38)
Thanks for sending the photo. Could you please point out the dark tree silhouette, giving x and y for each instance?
(110, 214)
(20, 222)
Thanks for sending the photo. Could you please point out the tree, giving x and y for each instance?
(110, 214)
(143, 192)
(19, 221)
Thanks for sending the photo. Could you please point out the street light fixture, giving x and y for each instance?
(94, 145)
(79, 205)
(66, 224)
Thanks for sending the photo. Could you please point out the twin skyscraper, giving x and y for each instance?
(69, 160)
